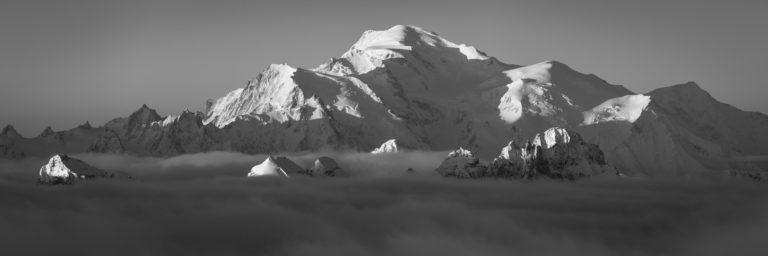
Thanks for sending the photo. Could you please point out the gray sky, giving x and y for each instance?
(65, 62)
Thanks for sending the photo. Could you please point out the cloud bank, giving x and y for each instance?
(202, 205)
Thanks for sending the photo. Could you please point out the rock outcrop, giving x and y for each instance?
(389, 146)
(461, 163)
(556, 153)
(326, 166)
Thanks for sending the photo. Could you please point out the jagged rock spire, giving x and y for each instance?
(9, 131)
(555, 153)
(48, 132)
(142, 117)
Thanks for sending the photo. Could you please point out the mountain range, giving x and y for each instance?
(410, 85)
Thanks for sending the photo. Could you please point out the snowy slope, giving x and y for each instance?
(675, 131)
(389, 146)
(626, 108)
(275, 166)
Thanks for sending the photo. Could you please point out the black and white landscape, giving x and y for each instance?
(407, 143)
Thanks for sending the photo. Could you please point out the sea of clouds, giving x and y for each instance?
(202, 204)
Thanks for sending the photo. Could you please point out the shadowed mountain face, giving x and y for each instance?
(701, 115)
(412, 85)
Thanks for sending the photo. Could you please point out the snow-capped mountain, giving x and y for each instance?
(411, 84)
(63, 169)
(276, 166)
(426, 92)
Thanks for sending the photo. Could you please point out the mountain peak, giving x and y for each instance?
(689, 86)
(410, 37)
(281, 72)
(86, 125)
(143, 116)
(281, 67)
(556, 63)
(409, 27)
(144, 108)
(275, 166)
(8, 130)
(65, 169)
(47, 132)
(278, 69)
(684, 90)
(402, 34)
(582, 90)
(389, 146)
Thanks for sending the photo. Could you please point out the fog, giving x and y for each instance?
(202, 205)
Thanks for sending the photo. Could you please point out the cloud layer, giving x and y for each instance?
(200, 204)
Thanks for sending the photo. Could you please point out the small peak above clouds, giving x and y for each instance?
(389, 146)
(63, 169)
(276, 166)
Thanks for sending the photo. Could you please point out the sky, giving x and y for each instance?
(66, 62)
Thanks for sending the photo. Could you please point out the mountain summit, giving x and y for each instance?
(9, 131)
